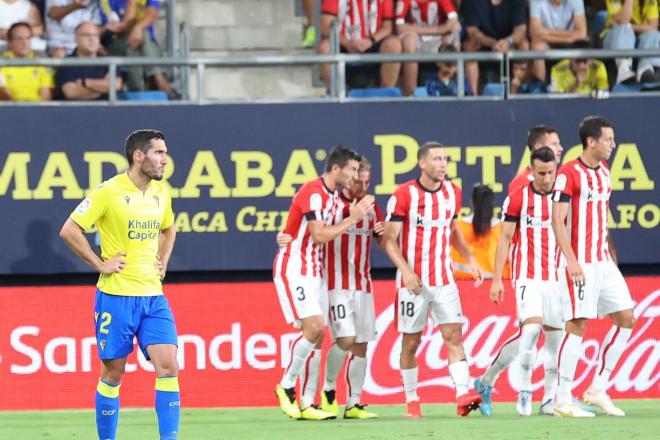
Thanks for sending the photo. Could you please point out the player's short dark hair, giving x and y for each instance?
(591, 127)
(140, 140)
(340, 155)
(13, 27)
(544, 154)
(536, 133)
(426, 147)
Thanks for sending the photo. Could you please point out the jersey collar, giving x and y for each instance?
(587, 166)
(419, 183)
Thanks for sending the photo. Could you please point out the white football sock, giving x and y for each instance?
(355, 373)
(309, 378)
(611, 350)
(300, 351)
(504, 358)
(569, 354)
(552, 340)
(333, 363)
(460, 374)
(528, 340)
(409, 377)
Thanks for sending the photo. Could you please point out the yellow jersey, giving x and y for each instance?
(643, 12)
(129, 221)
(562, 79)
(25, 82)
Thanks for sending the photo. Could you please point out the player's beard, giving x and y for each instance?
(151, 170)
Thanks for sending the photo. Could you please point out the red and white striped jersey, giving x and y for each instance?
(535, 252)
(424, 12)
(425, 234)
(588, 192)
(348, 257)
(359, 19)
(314, 201)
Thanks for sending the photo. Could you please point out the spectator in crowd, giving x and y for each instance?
(425, 26)
(24, 83)
(496, 25)
(481, 231)
(445, 83)
(62, 19)
(579, 75)
(354, 37)
(21, 11)
(630, 24)
(522, 81)
(309, 34)
(130, 33)
(85, 82)
(555, 24)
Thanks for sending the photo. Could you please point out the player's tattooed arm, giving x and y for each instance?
(411, 280)
(501, 254)
(559, 214)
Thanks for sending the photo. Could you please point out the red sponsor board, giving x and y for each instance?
(233, 343)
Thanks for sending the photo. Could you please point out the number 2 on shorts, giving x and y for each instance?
(106, 319)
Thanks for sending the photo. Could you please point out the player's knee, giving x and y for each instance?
(168, 368)
(360, 349)
(410, 345)
(345, 343)
(313, 333)
(113, 376)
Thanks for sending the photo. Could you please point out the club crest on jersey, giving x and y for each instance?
(560, 182)
(157, 201)
(127, 199)
(102, 344)
(83, 206)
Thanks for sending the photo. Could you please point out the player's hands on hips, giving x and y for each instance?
(114, 264)
(477, 271)
(359, 209)
(283, 239)
(412, 282)
(497, 292)
(379, 228)
(575, 272)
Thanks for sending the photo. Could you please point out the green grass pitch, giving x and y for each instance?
(439, 422)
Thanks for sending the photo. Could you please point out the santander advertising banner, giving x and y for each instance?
(233, 343)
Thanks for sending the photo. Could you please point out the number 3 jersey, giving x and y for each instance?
(303, 257)
(425, 235)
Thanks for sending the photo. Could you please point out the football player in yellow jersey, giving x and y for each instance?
(133, 213)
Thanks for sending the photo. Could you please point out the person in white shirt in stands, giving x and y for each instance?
(15, 11)
(62, 19)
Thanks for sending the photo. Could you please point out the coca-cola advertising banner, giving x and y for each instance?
(233, 343)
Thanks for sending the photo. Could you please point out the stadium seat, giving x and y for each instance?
(376, 92)
(421, 91)
(493, 89)
(143, 96)
(626, 88)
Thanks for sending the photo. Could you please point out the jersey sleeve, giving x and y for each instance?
(330, 7)
(650, 11)
(168, 216)
(565, 185)
(388, 10)
(401, 11)
(310, 202)
(91, 209)
(459, 200)
(519, 13)
(379, 213)
(535, 8)
(448, 7)
(511, 207)
(397, 205)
